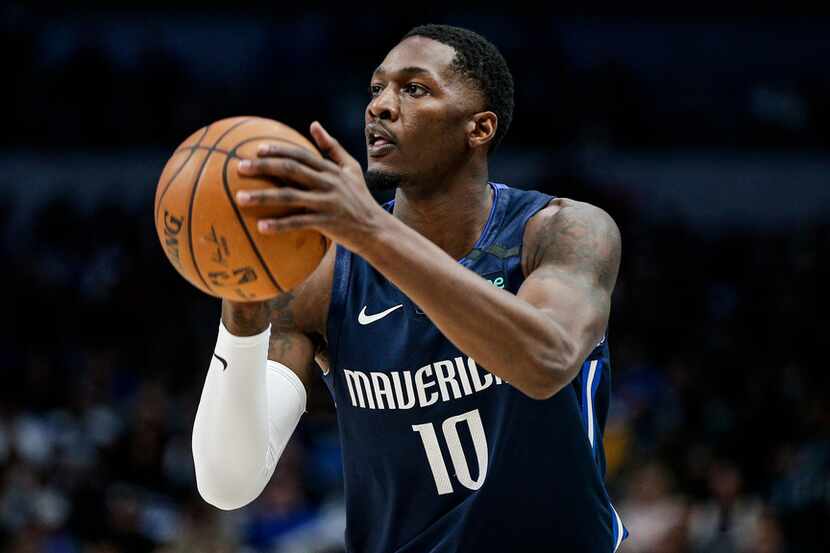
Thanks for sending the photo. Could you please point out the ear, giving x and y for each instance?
(481, 129)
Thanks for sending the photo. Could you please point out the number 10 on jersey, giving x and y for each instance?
(459, 462)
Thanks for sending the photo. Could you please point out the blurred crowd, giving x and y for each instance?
(718, 438)
(132, 76)
(104, 357)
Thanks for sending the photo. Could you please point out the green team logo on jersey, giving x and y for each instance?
(496, 279)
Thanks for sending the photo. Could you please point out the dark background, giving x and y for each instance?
(706, 138)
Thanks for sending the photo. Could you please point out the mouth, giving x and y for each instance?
(380, 148)
(379, 141)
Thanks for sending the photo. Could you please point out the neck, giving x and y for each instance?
(451, 213)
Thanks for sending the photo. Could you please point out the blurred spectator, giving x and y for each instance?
(727, 522)
(654, 514)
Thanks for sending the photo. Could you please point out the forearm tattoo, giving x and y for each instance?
(282, 325)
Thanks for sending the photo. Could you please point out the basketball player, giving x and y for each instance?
(460, 328)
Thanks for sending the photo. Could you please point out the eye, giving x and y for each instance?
(374, 89)
(415, 90)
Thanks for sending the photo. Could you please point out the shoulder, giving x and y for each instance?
(565, 211)
(570, 232)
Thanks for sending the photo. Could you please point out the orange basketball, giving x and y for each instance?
(212, 242)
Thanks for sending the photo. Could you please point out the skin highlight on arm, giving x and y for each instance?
(572, 259)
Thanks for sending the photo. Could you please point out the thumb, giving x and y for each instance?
(329, 145)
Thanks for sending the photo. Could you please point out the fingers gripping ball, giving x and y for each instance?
(208, 238)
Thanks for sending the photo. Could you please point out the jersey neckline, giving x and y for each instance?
(484, 238)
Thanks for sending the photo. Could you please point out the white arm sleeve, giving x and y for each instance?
(248, 411)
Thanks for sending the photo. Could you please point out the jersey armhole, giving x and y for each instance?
(540, 203)
(339, 295)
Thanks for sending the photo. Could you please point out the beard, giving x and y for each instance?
(379, 181)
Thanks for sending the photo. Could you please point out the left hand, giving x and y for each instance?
(336, 196)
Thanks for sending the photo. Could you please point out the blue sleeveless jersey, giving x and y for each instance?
(440, 455)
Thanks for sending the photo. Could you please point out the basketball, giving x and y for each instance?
(211, 241)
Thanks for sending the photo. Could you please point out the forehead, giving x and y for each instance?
(420, 52)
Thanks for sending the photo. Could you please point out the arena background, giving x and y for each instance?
(707, 139)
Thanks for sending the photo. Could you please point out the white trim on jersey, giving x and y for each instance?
(590, 400)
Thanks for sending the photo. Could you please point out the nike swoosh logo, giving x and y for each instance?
(224, 363)
(365, 319)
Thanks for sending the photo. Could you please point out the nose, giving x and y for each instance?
(384, 105)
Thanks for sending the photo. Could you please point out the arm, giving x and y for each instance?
(537, 339)
(287, 343)
(572, 259)
(250, 405)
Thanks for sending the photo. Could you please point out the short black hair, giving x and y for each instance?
(479, 60)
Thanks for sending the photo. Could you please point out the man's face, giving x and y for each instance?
(415, 120)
